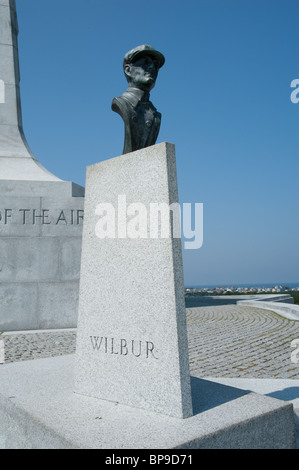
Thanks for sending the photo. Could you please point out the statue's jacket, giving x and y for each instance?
(141, 119)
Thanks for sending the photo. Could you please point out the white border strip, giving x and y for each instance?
(284, 309)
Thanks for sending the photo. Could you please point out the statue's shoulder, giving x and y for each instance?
(121, 104)
(117, 102)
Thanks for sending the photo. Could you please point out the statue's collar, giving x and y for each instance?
(136, 96)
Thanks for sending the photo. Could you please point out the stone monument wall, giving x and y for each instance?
(40, 248)
(41, 216)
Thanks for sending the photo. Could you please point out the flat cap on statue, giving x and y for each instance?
(143, 50)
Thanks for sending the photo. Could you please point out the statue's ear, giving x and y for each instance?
(127, 70)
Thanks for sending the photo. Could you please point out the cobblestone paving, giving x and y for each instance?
(224, 341)
(27, 346)
(234, 341)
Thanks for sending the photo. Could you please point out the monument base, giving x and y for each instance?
(39, 410)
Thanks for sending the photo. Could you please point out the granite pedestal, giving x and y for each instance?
(132, 339)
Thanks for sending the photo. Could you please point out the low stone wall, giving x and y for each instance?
(282, 305)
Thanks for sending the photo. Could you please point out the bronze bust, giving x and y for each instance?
(141, 119)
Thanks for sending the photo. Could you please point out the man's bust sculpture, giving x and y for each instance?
(142, 120)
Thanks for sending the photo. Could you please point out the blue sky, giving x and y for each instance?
(224, 95)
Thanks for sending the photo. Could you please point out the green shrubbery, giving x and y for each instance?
(295, 296)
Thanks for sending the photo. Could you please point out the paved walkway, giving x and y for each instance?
(224, 341)
(234, 341)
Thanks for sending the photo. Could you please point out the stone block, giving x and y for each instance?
(132, 340)
(38, 410)
(70, 258)
(36, 188)
(29, 259)
(18, 306)
(5, 30)
(58, 304)
(8, 110)
(7, 64)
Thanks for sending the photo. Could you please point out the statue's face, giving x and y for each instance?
(142, 73)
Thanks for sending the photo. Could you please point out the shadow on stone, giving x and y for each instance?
(207, 394)
(287, 394)
(207, 302)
